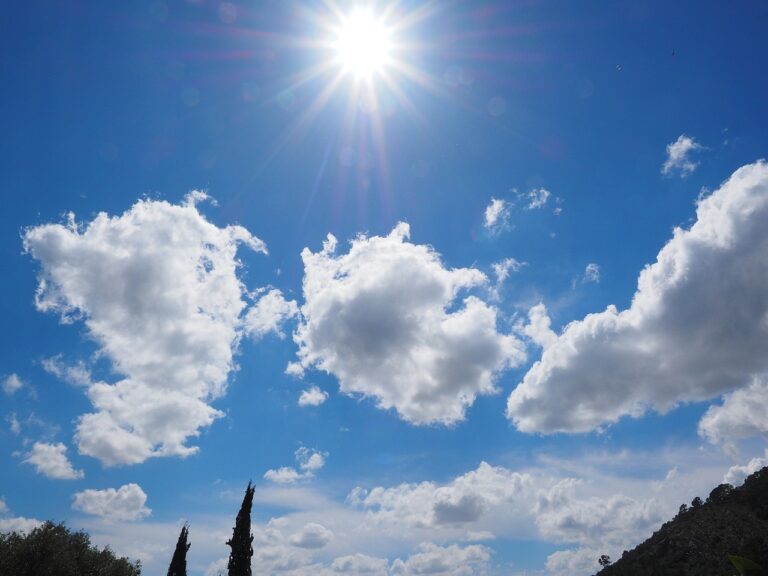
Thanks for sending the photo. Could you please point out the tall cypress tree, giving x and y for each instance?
(242, 539)
(178, 565)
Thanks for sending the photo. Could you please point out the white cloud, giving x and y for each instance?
(697, 326)
(592, 273)
(158, 290)
(12, 384)
(737, 474)
(451, 560)
(127, 503)
(77, 374)
(312, 536)
(309, 461)
(482, 535)
(497, 215)
(679, 156)
(539, 325)
(51, 460)
(312, 397)
(357, 564)
(17, 523)
(13, 424)
(537, 198)
(504, 267)
(463, 501)
(743, 413)
(377, 318)
(268, 314)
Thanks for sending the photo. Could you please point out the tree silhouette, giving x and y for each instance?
(52, 549)
(241, 542)
(604, 560)
(178, 565)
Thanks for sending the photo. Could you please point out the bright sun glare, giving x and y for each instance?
(362, 44)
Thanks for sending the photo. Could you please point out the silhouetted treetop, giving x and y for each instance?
(241, 542)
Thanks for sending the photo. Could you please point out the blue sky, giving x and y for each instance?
(537, 327)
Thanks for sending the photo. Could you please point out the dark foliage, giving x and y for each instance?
(732, 523)
(178, 565)
(53, 550)
(241, 542)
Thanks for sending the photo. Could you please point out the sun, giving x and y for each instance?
(363, 46)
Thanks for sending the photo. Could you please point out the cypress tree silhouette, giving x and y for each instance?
(178, 565)
(241, 542)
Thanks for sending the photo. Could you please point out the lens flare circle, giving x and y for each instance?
(363, 45)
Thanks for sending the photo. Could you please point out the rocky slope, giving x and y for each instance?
(700, 538)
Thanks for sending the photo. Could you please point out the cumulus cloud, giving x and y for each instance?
(737, 474)
(679, 156)
(385, 320)
(127, 503)
(268, 314)
(357, 564)
(12, 384)
(312, 397)
(10, 523)
(697, 327)
(743, 413)
(309, 461)
(497, 215)
(464, 500)
(312, 536)
(51, 460)
(158, 290)
(451, 560)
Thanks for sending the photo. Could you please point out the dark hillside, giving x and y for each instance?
(700, 538)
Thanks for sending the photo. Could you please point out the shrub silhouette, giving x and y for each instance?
(53, 550)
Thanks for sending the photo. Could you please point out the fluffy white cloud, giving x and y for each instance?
(737, 474)
(125, 503)
(743, 413)
(268, 314)
(462, 501)
(564, 516)
(12, 384)
(51, 460)
(697, 326)
(539, 325)
(497, 215)
(679, 156)
(312, 536)
(309, 461)
(592, 273)
(283, 475)
(15, 523)
(357, 564)
(158, 290)
(378, 319)
(451, 560)
(312, 397)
